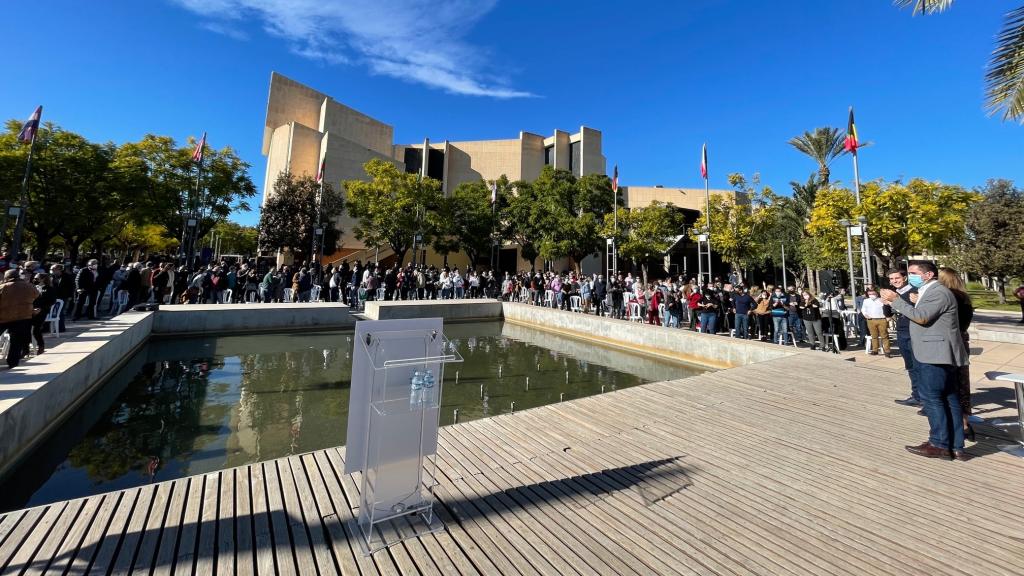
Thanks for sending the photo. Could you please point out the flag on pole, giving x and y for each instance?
(851, 144)
(29, 128)
(704, 161)
(615, 179)
(494, 192)
(320, 174)
(197, 155)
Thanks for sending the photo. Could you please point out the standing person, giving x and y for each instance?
(41, 309)
(133, 284)
(965, 315)
(63, 285)
(1019, 293)
(146, 276)
(598, 295)
(161, 281)
(810, 315)
(873, 311)
(763, 316)
(742, 306)
(693, 305)
(16, 307)
(796, 326)
(779, 305)
(708, 306)
(939, 351)
(85, 287)
(898, 281)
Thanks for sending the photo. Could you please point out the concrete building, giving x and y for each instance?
(304, 126)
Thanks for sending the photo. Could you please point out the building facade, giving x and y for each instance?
(304, 127)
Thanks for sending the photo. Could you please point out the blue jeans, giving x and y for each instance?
(781, 325)
(742, 326)
(909, 363)
(938, 387)
(708, 320)
(796, 326)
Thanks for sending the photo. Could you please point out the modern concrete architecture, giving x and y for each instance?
(304, 126)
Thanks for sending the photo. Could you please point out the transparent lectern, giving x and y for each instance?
(397, 371)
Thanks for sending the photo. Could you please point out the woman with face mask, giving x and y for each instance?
(810, 314)
(873, 310)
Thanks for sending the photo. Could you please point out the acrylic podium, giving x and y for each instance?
(397, 371)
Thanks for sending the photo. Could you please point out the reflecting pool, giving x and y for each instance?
(189, 406)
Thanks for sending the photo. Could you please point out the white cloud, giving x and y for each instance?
(224, 30)
(413, 40)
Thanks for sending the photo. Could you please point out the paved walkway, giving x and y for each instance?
(791, 466)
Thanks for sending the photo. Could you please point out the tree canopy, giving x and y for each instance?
(644, 234)
(289, 215)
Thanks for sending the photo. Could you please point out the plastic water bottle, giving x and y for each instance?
(428, 387)
(416, 390)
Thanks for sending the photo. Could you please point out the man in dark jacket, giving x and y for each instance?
(86, 283)
(599, 294)
(16, 308)
(63, 284)
(898, 280)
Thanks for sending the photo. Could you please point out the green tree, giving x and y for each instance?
(570, 213)
(823, 146)
(239, 239)
(994, 242)
(644, 234)
(467, 222)
(225, 186)
(388, 207)
(825, 246)
(522, 221)
(289, 214)
(1005, 76)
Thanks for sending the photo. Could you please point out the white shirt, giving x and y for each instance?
(922, 289)
(873, 308)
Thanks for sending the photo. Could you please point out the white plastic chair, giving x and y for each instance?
(549, 298)
(287, 294)
(524, 294)
(314, 293)
(576, 304)
(5, 343)
(225, 296)
(122, 300)
(53, 317)
(380, 293)
(251, 298)
(782, 338)
(634, 312)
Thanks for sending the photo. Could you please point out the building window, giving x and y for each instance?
(549, 155)
(413, 160)
(435, 164)
(575, 158)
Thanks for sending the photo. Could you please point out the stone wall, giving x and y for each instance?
(215, 319)
(476, 309)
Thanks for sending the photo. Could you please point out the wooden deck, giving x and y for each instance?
(793, 466)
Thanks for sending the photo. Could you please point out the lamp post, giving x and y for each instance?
(849, 257)
(869, 272)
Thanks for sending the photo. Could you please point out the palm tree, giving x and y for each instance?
(1005, 76)
(823, 145)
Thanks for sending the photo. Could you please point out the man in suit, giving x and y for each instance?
(898, 281)
(939, 352)
(85, 285)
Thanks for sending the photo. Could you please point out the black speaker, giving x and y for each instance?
(151, 307)
(830, 280)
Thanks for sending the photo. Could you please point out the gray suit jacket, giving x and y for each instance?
(934, 327)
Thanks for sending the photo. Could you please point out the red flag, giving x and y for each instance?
(320, 174)
(704, 162)
(197, 154)
(851, 144)
(615, 179)
(29, 128)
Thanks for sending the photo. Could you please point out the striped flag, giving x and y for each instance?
(197, 154)
(704, 161)
(31, 126)
(494, 192)
(320, 174)
(615, 179)
(851, 143)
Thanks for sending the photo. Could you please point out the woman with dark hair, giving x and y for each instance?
(949, 278)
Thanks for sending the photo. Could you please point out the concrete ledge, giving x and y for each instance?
(38, 395)
(471, 309)
(702, 349)
(215, 319)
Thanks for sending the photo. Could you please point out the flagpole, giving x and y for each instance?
(23, 201)
(193, 210)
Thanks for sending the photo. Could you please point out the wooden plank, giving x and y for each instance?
(319, 498)
(94, 536)
(28, 523)
(226, 524)
(60, 557)
(133, 535)
(263, 540)
(8, 522)
(188, 534)
(309, 548)
(206, 548)
(284, 557)
(35, 537)
(167, 549)
(146, 557)
(245, 557)
(115, 532)
(49, 545)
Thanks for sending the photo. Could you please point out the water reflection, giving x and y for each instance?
(191, 406)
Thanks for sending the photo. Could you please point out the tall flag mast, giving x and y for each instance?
(318, 244)
(27, 136)
(851, 144)
(704, 175)
(192, 218)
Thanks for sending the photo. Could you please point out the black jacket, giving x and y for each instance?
(86, 280)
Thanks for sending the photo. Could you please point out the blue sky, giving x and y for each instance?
(658, 78)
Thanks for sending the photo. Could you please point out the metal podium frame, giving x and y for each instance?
(392, 429)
